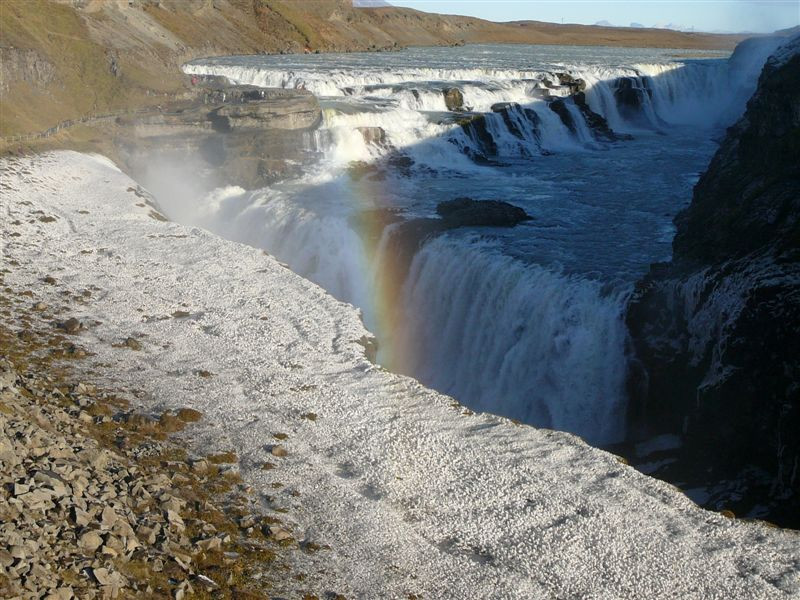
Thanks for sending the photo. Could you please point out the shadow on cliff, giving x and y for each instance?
(716, 329)
(665, 385)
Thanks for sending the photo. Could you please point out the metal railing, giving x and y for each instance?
(93, 118)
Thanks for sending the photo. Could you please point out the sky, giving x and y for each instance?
(702, 15)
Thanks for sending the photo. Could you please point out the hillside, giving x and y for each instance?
(63, 59)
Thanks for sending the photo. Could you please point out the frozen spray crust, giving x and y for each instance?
(412, 495)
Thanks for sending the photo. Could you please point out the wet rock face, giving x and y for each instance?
(560, 108)
(715, 330)
(408, 236)
(505, 109)
(221, 132)
(373, 135)
(453, 99)
(475, 127)
(597, 123)
(631, 95)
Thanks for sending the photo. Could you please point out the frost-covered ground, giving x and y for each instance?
(414, 494)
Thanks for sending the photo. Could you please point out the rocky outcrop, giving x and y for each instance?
(410, 235)
(229, 135)
(597, 124)
(230, 108)
(630, 94)
(505, 109)
(574, 84)
(460, 212)
(22, 64)
(485, 149)
(453, 99)
(466, 212)
(634, 98)
(273, 109)
(476, 129)
(407, 236)
(715, 330)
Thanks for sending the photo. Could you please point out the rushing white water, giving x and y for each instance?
(316, 241)
(525, 322)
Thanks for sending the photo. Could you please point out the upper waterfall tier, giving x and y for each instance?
(415, 78)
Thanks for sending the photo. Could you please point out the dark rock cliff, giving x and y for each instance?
(716, 331)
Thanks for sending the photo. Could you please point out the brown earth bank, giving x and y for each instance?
(65, 59)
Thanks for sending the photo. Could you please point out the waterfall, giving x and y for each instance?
(409, 103)
(467, 316)
(499, 335)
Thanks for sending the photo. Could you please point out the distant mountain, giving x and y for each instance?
(371, 4)
(666, 26)
(673, 26)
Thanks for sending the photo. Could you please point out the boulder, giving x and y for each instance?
(133, 343)
(373, 135)
(575, 84)
(500, 107)
(453, 99)
(90, 541)
(71, 325)
(278, 450)
(466, 212)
